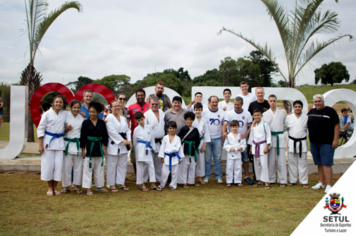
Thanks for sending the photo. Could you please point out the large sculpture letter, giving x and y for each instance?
(18, 123)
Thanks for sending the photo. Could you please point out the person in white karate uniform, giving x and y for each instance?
(202, 125)
(234, 145)
(297, 126)
(155, 119)
(119, 142)
(50, 133)
(144, 144)
(93, 141)
(171, 154)
(260, 140)
(226, 105)
(73, 154)
(275, 117)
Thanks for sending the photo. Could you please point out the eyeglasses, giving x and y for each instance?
(122, 99)
(154, 104)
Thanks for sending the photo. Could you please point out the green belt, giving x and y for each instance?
(190, 149)
(93, 140)
(277, 134)
(74, 140)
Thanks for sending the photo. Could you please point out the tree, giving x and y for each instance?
(266, 67)
(37, 24)
(335, 72)
(114, 82)
(228, 71)
(82, 80)
(296, 29)
(210, 75)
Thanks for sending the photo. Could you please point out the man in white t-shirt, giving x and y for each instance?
(245, 120)
(215, 118)
(247, 97)
(198, 97)
(226, 105)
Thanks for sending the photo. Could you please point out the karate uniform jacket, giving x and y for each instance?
(168, 147)
(53, 123)
(276, 123)
(156, 125)
(258, 134)
(203, 129)
(144, 134)
(237, 142)
(114, 128)
(88, 129)
(192, 136)
(76, 123)
(297, 128)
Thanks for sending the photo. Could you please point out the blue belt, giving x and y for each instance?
(173, 154)
(148, 144)
(53, 137)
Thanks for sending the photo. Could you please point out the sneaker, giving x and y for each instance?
(248, 180)
(318, 186)
(327, 189)
(206, 180)
(220, 181)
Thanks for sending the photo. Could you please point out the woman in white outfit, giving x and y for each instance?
(73, 154)
(119, 143)
(50, 133)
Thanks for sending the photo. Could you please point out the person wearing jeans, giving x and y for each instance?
(213, 151)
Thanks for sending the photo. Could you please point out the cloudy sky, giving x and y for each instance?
(139, 37)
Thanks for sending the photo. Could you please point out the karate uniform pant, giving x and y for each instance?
(116, 168)
(88, 172)
(280, 161)
(51, 165)
(165, 174)
(186, 170)
(200, 172)
(233, 171)
(261, 168)
(77, 163)
(158, 168)
(298, 166)
(140, 171)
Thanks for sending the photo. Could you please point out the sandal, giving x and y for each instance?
(201, 182)
(185, 186)
(78, 191)
(171, 188)
(124, 188)
(144, 189)
(65, 190)
(258, 183)
(156, 188)
(267, 187)
(228, 185)
(102, 190)
(90, 193)
(239, 185)
(282, 185)
(114, 190)
(57, 193)
(50, 194)
(305, 186)
(195, 185)
(291, 184)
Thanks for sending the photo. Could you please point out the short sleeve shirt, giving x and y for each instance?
(244, 118)
(264, 106)
(133, 108)
(215, 120)
(321, 124)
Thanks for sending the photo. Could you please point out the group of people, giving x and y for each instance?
(169, 143)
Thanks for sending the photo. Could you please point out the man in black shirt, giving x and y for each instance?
(263, 106)
(324, 127)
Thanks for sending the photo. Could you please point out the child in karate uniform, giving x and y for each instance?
(202, 125)
(93, 141)
(234, 145)
(50, 133)
(171, 154)
(260, 140)
(73, 153)
(190, 138)
(144, 143)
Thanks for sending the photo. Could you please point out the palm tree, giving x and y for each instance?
(37, 24)
(296, 29)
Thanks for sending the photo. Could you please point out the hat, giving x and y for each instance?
(177, 98)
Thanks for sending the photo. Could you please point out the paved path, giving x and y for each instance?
(31, 148)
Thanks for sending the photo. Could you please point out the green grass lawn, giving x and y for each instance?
(5, 132)
(310, 91)
(212, 209)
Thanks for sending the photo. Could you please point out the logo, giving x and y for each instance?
(334, 206)
(239, 140)
(214, 122)
(46, 146)
(243, 117)
(218, 116)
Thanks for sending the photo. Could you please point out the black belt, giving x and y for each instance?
(295, 140)
(123, 135)
(158, 140)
